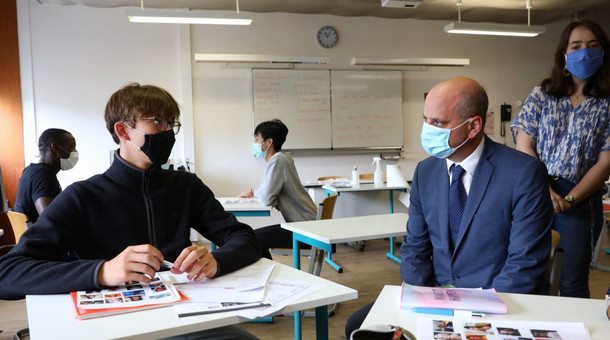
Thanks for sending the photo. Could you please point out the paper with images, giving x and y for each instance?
(128, 295)
(470, 299)
(484, 329)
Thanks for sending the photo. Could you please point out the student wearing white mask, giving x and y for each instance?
(565, 123)
(281, 187)
(38, 185)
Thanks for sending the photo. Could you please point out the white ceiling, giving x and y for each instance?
(500, 11)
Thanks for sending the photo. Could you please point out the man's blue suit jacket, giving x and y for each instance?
(505, 235)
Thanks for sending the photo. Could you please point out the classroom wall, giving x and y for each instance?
(78, 56)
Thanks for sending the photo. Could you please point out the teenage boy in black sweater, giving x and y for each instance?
(123, 223)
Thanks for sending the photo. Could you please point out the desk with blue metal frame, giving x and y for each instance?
(244, 207)
(53, 316)
(330, 189)
(323, 234)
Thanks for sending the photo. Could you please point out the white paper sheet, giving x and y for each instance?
(246, 285)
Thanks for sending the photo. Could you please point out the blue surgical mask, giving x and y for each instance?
(435, 140)
(584, 62)
(257, 150)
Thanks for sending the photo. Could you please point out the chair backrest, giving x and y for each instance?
(367, 176)
(324, 178)
(553, 270)
(17, 223)
(326, 208)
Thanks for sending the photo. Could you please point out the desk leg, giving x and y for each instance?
(296, 263)
(391, 201)
(332, 263)
(297, 325)
(296, 253)
(391, 255)
(322, 322)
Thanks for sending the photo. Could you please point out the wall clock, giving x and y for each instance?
(327, 37)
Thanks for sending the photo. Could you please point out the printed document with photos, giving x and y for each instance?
(484, 329)
(129, 295)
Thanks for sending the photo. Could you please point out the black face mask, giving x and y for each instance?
(158, 146)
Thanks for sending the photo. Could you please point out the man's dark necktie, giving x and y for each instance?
(457, 202)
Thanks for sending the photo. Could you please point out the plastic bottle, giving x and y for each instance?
(378, 174)
(355, 178)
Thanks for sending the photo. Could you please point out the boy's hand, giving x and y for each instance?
(197, 261)
(132, 264)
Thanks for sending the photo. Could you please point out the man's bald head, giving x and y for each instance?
(464, 96)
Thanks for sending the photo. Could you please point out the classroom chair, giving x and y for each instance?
(325, 212)
(18, 225)
(553, 270)
(324, 178)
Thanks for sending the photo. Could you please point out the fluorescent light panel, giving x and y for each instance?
(166, 17)
(494, 29)
(258, 58)
(410, 61)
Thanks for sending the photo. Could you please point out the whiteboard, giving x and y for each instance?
(366, 108)
(300, 99)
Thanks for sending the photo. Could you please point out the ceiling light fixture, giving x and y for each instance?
(258, 58)
(389, 62)
(169, 17)
(460, 27)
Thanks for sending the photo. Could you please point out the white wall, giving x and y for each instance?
(79, 56)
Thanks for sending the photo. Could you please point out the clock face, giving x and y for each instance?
(327, 37)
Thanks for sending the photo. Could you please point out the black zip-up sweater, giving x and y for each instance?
(98, 218)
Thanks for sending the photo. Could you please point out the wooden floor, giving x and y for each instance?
(366, 272)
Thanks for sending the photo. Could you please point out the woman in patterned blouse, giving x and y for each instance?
(565, 123)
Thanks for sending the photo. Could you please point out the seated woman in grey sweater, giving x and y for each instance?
(281, 187)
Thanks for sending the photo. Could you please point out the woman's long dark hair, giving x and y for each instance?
(598, 85)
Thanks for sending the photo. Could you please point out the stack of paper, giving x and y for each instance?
(469, 299)
(244, 288)
(129, 297)
(250, 292)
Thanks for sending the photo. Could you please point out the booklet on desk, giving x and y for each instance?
(130, 297)
(468, 299)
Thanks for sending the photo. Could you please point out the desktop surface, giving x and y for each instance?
(53, 316)
(591, 312)
(339, 230)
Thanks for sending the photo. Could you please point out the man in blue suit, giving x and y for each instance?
(503, 239)
(489, 228)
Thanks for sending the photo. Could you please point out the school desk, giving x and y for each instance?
(53, 316)
(323, 234)
(525, 307)
(244, 207)
(364, 188)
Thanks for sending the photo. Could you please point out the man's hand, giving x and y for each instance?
(246, 194)
(197, 261)
(560, 205)
(132, 264)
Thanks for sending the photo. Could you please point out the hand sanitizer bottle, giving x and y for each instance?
(355, 178)
(378, 174)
